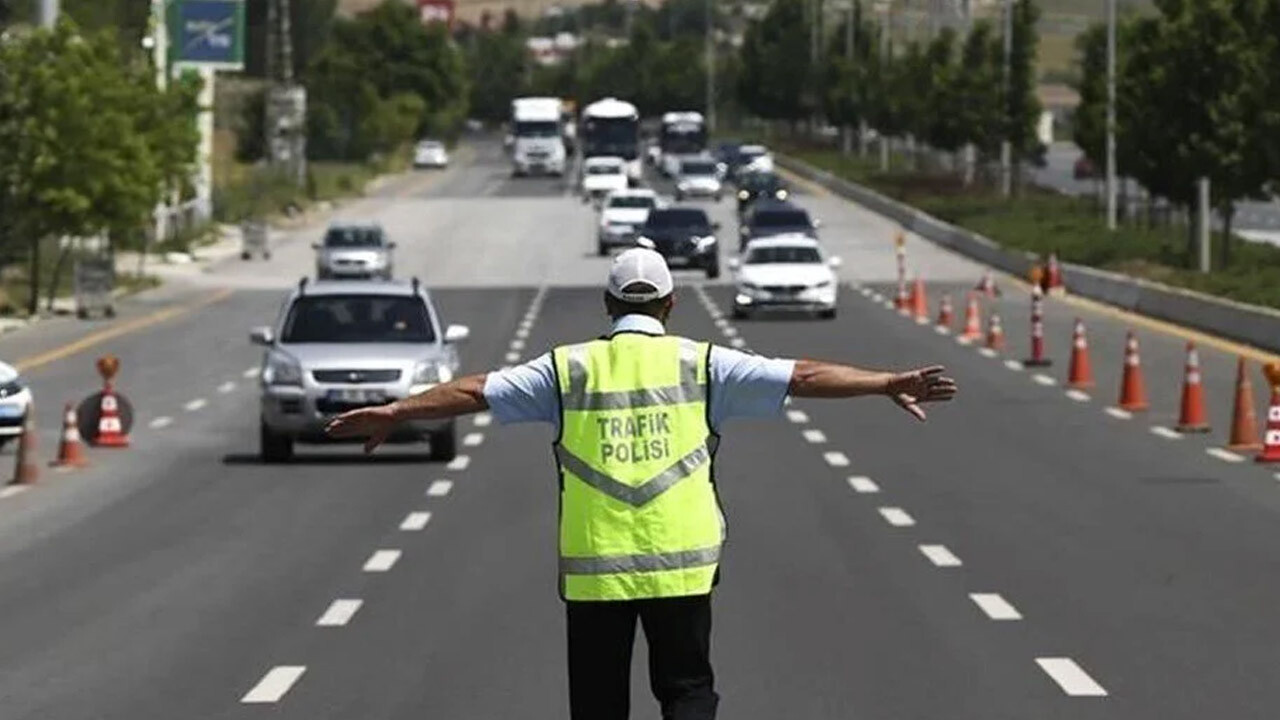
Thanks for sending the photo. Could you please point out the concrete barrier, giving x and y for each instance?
(1251, 324)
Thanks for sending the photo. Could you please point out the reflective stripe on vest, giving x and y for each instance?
(577, 397)
(640, 563)
(636, 495)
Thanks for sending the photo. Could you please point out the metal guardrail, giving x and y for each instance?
(1252, 324)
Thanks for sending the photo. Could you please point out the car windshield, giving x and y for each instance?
(429, 145)
(699, 167)
(677, 217)
(613, 169)
(783, 254)
(631, 201)
(352, 237)
(750, 152)
(358, 319)
(761, 182)
(780, 218)
(541, 129)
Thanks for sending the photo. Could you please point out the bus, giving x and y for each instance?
(681, 133)
(611, 127)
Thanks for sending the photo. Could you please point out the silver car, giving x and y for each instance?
(343, 345)
(699, 177)
(354, 250)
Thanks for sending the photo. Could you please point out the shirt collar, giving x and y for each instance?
(638, 323)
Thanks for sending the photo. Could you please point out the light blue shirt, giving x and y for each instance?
(742, 385)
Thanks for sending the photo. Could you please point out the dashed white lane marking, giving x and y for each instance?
(459, 463)
(1119, 414)
(440, 488)
(415, 521)
(522, 332)
(195, 405)
(1225, 455)
(963, 340)
(1078, 395)
(512, 357)
(339, 613)
(922, 321)
(798, 416)
(836, 459)
(863, 484)
(738, 343)
(939, 555)
(1013, 365)
(482, 420)
(888, 305)
(252, 372)
(1070, 677)
(473, 439)
(720, 323)
(226, 387)
(1166, 433)
(729, 331)
(996, 607)
(381, 560)
(160, 422)
(987, 352)
(897, 517)
(1044, 380)
(815, 436)
(274, 684)
(11, 490)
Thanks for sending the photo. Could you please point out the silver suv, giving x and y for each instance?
(344, 345)
(354, 250)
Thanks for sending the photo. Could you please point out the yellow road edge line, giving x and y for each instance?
(97, 338)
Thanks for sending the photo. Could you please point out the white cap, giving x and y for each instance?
(640, 267)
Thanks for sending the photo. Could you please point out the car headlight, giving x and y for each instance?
(781, 194)
(643, 241)
(282, 369)
(705, 242)
(431, 372)
(11, 388)
(743, 194)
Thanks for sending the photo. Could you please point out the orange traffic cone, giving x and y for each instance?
(1271, 439)
(1244, 423)
(1133, 392)
(110, 429)
(944, 312)
(987, 285)
(1080, 374)
(972, 319)
(70, 449)
(1193, 417)
(919, 301)
(1038, 358)
(995, 333)
(25, 471)
(1053, 276)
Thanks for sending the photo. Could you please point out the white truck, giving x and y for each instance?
(537, 143)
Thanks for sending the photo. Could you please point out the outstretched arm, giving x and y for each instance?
(814, 378)
(457, 397)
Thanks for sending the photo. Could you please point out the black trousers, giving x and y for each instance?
(678, 632)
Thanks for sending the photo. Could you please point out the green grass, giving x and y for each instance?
(1042, 222)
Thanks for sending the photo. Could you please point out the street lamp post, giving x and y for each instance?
(1006, 148)
(1111, 114)
(47, 11)
(711, 67)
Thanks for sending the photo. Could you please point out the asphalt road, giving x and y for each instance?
(1022, 555)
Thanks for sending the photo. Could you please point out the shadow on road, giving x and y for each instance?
(402, 458)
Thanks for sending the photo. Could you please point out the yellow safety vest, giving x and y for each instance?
(639, 517)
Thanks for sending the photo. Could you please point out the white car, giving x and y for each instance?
(430, 154)
(785, 272)
(754, 158)
(603, 175)
(698, 177)
(15, 403)
(620, 214)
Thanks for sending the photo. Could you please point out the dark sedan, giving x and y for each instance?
(773, 217)
(753, 187)
(685, 236)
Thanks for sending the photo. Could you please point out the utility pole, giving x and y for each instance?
(1202, 222)
(1006, 148)
(1111, 114)
(886, 53)
(970, 152)
(286, 100)
(159, 45)
(847, 131)
(711, 67)
(47, 13)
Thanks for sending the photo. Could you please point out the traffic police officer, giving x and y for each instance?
(638, 414)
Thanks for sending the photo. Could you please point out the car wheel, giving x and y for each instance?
(739, 313)
(719, 197)
(274, 447)
(828, 314)
(601, 249)
(713, 270)
(444, 444)
(679, 196)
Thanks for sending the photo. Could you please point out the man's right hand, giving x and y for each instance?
(910, 389)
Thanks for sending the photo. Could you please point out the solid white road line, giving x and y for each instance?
(897, 517)
(996, 607)
(1077, 395)
(473, 439)
(482, 420)
(512, 357)
(939, 555)
(160, 422)
(815, 436)
(1225, 455)
(1013, 365)
(1070, 677)
(836, 459)
(1166, 433)
(195, 405)
(252, 372)
(798, 416)
(863, 484)
(1043, 379)
(381, 560)
(274, 684)
(11, 490)
(459, 463)
(987, 352)
(339, 613)
(738, 343)
(1119, 413)
(440, 488)
(226, 387)
(415, 521)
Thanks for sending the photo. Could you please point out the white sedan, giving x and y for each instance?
(603, 175)
(786, 273)
(15, 403)
(430, 154)
(621, 213)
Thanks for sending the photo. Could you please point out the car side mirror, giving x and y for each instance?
(817, 223)
(835, 262)
(715, 226)
(391, 245)
(456, 333)
(262, 335)
(735, 264)
(315, 246)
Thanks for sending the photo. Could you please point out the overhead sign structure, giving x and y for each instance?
(207, 33)
(433, 11)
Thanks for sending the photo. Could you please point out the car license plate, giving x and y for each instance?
(357, 396)
(677, 260)
(11, 411)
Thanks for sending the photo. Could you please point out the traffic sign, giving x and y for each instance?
(207, 33)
